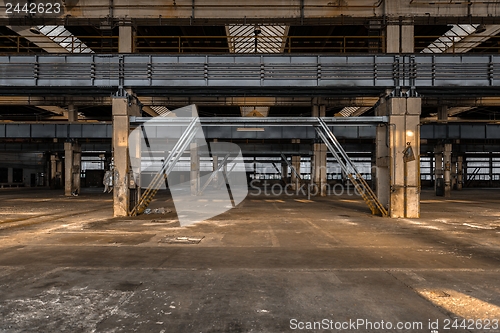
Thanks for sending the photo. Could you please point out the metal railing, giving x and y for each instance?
(45, 44)
(198, 44)
(11, 44)
(291, 44)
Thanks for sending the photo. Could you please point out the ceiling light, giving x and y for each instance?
(250, 129)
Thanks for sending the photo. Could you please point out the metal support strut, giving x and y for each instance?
(350, 169)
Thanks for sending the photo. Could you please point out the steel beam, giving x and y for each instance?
(262, 75)
(186, 12)
(279, 129)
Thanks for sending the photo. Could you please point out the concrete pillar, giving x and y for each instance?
(72, 113)
(135, 153)
(442, 113)
(438, 170)
(68, 168)
(10, 175)
(400, 38)
(296, 166)
(215, 165)
(123, 107)
(373, 170)
(319, 156)
(59, 172)
(447, 169)
(254, 168)
(491, 169)
(53, 171)
(126, 39)
(284, 172)
(320, 167)
(453, 173)
(460, 173)
(195, 169)
(77, 167)
(398, 183)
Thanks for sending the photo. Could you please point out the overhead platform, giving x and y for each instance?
(258, 75)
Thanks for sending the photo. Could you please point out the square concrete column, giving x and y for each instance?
(438, 169)
(447, 169)
(68, 168)
(77, 167)
(284, 172)
(398, 170)
(135, 152)
(296, 168)
(195, 169)
(53, 171)
(320, 167)
(10, 175)
(123, 107)
(126, 39)
(453, 173)
(215, 165)
(460, 173)
(400, 37)
(72, 113)
(319, 157)
(72, 170)
(442, 113)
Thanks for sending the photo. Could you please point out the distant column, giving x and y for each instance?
(460, 173)
(195, 169)
(296, 168)
(68, 168)
(72, 113)
(438, 170)
(10, 175)
(319, 157)
(53, 171)
(284, 172)
(77, 167)
(126, 39)
(215, 165)
(447, 169)
(400, 37)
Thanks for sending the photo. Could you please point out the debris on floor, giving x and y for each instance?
(157, 211)
(182, 239)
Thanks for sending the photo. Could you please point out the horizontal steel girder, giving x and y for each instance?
(174, 101)
(188, 12)
(216, 129)
(262, 75)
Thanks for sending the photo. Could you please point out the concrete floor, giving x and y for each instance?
(270, 265)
